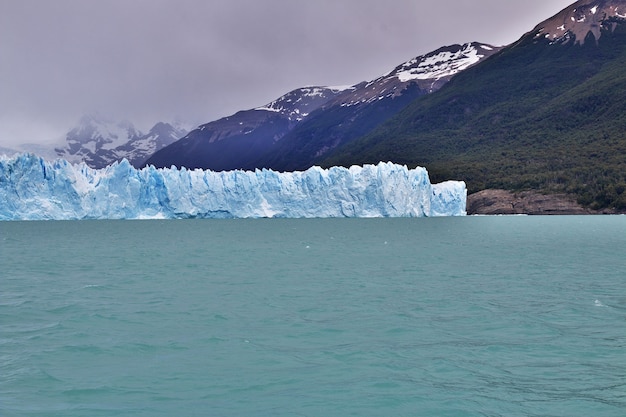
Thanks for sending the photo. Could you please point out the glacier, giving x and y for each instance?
(32, 188)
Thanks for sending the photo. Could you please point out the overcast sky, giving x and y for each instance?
(199, 60)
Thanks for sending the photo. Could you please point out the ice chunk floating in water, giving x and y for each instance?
(32, 189)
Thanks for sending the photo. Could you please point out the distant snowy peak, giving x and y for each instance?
(299, 103)
(138, 150)
(99, 142)
(580, 19)
(97, 134)
(161, 135)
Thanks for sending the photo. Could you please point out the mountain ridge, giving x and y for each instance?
(235, 141)
(278, 135)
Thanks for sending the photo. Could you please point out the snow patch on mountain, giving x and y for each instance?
(441, 64)
(298, 104)
(430, 72)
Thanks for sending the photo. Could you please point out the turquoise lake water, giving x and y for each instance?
(474, 316)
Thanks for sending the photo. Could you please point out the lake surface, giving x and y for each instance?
(475, 316)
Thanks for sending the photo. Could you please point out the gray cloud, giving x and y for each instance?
(197, 60)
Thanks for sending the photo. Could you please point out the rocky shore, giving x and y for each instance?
(493, 202)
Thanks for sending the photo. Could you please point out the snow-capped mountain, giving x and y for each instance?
(430, 72)
(161, 135)
(7, 151)
(237, 141)
(360, 109)
(257, 138)
(99, 142)
(290, 108)
(94, 141)
(581, 19)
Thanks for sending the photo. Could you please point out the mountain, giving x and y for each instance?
(45, 151)
(237, 141)
(141, 148)
(300, 128)
(547, 113)
(359, 110)
(99, 142)
(7, 151)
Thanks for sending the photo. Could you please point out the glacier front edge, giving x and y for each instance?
(34, 189)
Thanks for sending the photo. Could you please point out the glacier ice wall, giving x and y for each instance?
(34, 189)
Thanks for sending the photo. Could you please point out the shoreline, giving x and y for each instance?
(503, 202)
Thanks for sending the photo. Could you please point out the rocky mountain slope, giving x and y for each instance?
(581, 19)
(502, 202)
(237, 141)
(300, 128)
(547, 113)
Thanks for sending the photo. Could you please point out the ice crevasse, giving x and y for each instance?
(32, 188)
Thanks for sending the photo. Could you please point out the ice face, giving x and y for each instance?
(33, 189)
